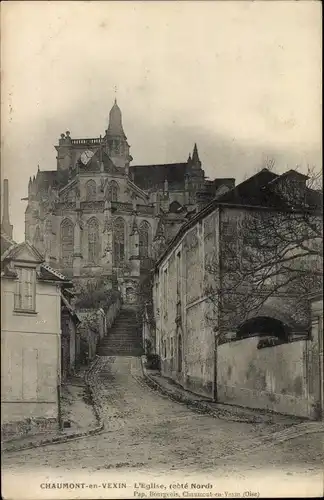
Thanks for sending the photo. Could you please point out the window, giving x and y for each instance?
(67, 242)
(26, 289)
(144, 229)
(112, 191)
(93, 241)
(119, 240)
(91, 191)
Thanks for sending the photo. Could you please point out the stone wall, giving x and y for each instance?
(93, 327)
(274, 378)
(199, 351)
(111, 313)
(315, 360)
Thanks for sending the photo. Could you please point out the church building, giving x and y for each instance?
(98, 215)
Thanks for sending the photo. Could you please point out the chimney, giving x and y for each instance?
(5, 224)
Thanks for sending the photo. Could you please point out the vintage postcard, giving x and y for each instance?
(161, 250)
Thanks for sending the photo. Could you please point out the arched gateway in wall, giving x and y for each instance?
(270, 322)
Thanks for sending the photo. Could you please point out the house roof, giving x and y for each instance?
(10, 251)
(249, 192)
(48, 273)
(259, 190)
(254, 192)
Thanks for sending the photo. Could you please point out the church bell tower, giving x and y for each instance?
(116, 143)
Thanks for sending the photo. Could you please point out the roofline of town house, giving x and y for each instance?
(206, 211)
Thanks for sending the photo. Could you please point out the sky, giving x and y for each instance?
(242, 79)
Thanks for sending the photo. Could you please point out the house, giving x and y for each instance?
(232, 321)
(31, 339)
(31, 297)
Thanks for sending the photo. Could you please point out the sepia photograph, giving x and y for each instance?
(161, 250)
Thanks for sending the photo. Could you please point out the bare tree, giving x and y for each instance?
(271, 251)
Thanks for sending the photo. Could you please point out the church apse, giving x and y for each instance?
(108, 216)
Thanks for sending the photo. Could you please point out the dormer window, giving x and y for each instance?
(25, 294)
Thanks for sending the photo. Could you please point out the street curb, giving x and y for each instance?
(294, 430)
(73, 436)
(195, 404)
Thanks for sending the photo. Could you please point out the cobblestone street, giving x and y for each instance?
(149, 434)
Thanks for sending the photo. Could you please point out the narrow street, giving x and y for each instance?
(148, 435)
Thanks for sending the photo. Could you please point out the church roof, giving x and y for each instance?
(93, 164)
(46, 178)
(148, 176)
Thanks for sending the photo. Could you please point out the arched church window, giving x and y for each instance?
(144, 230)
(91, 190)
(67, 242)
(118, 240)
(93, 241)
(112, 191)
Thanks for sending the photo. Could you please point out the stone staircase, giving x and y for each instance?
(124, 337)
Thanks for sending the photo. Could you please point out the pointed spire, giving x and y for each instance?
(115, 127)
(195, 155)
(5, 223)
(189, 158)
